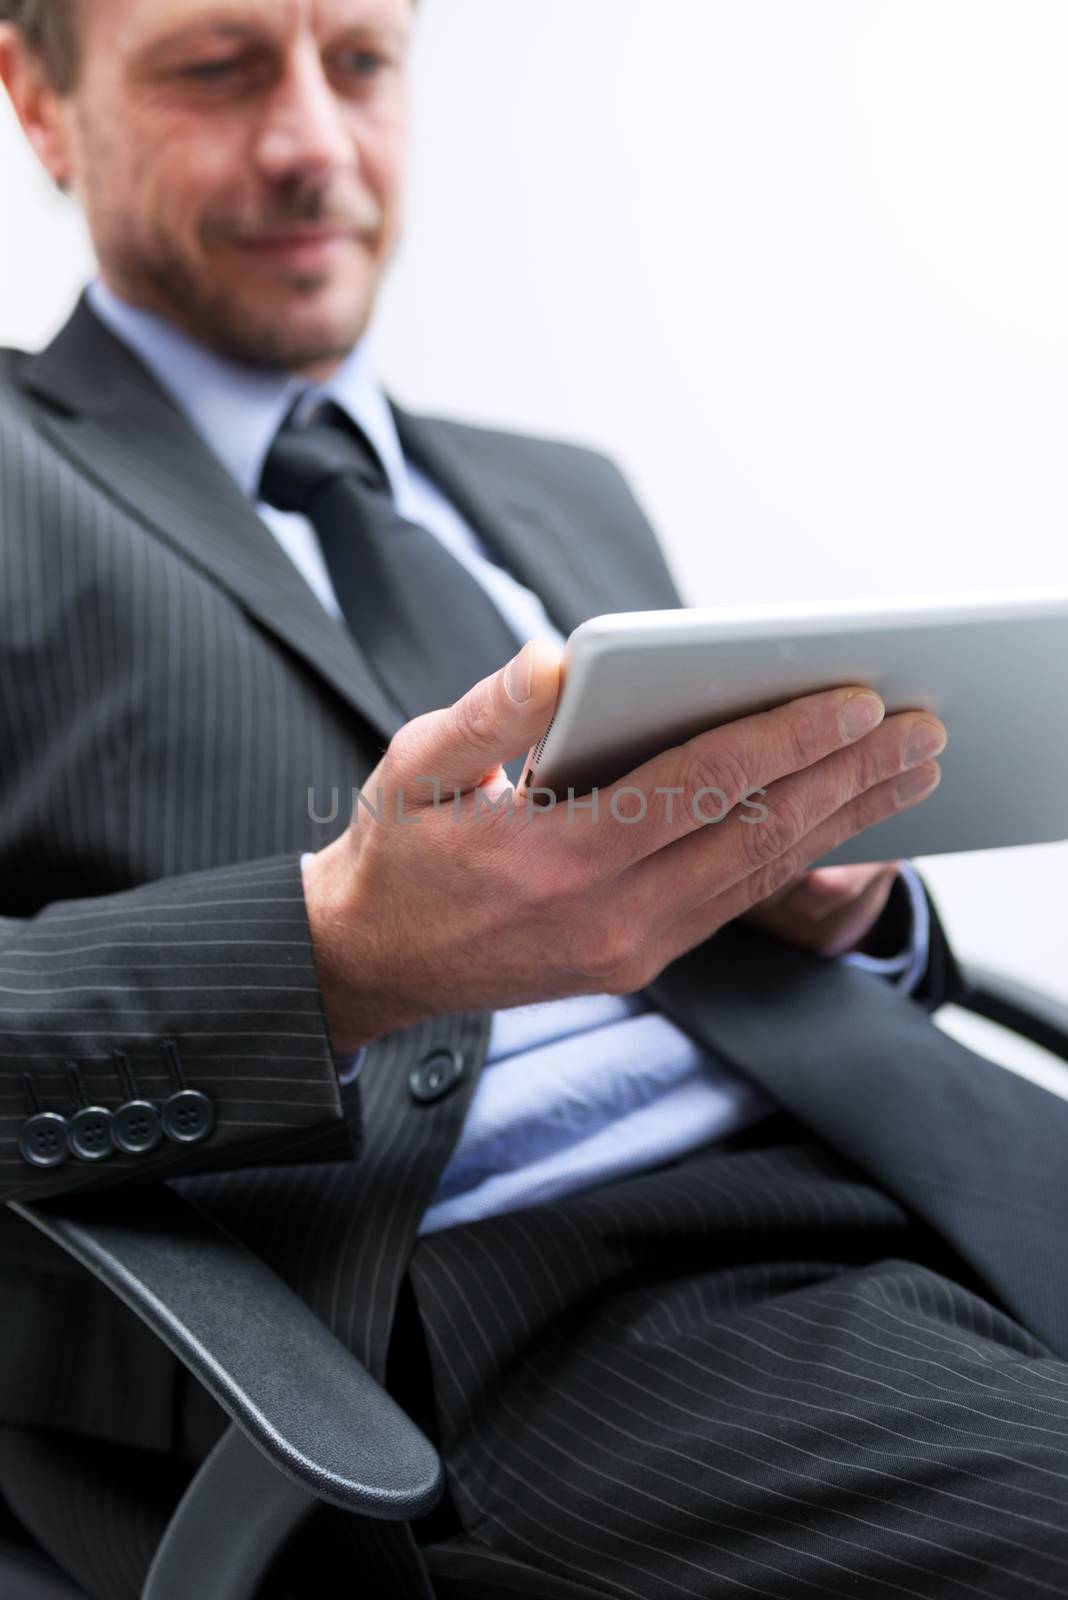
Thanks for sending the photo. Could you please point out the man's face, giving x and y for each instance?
(241, 164)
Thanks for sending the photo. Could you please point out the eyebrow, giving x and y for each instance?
(218, 28)
(206, 28)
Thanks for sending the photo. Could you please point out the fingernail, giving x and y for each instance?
(924, 740)
(914, 785)
(859, 714)
(519, 674)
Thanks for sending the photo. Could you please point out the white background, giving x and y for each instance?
(801, 268)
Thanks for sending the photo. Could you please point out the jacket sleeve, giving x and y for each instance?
(901, 936)
(165, 1030)
(913, 950)
(942, 981)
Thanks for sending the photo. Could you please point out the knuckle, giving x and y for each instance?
(775, 875)
(718, 765)
(628, 977)
(872, 761)
(800, 737)
(879, 802)
(610, 956)
(678, 774)
(407, 741)
(475, 718)
(767, 841)
(602, 962)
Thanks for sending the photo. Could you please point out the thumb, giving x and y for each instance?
(499, 717)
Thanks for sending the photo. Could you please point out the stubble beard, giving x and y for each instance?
(217, 317)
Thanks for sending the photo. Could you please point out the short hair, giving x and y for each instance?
(48, 26)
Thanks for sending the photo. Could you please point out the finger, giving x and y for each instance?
(814, 894)
(845, 929)
(874, 805)
(786, 893)
(498, 718)
(827, 890)
(832, 932)
(736, 849)
(715, 770)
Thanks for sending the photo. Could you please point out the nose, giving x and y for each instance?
(303, 129)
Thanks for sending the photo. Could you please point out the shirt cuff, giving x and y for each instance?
(910, 964)
(347, 1067)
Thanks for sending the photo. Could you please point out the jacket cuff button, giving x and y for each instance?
(136, 1128)
(89, 1133)
(188, 1116)
(43, 1140)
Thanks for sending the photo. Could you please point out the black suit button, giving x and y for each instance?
(43, 1140)
(89, 1133)
(136, 1128)
(436, 1076)
(188, 1116)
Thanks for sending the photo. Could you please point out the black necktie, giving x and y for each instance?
(427, 627)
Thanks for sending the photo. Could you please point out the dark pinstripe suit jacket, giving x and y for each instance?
(170, 692)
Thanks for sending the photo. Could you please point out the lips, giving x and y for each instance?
(297, 233)
(297, 246)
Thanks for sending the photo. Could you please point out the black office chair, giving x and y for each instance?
(335, 1435)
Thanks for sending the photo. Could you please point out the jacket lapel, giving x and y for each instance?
(520, 526)
(108, 414)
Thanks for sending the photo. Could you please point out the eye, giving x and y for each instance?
(361, 63)
(211, 71)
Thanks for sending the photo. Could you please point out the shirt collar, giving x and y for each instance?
(238, 409)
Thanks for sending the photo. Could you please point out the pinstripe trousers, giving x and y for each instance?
(751, 1372)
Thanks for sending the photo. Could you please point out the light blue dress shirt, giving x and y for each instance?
(573, 1093)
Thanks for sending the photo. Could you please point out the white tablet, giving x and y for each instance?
(993, 666)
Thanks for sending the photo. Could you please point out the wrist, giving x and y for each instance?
(352, 1000)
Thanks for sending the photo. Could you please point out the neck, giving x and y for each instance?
(319, 371)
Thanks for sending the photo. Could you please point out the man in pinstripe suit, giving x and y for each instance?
(631, 1162)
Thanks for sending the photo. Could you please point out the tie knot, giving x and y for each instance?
(307, 457)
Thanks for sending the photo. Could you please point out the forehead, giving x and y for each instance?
(131, 24)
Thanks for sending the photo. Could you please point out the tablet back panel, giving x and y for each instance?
(993, 667)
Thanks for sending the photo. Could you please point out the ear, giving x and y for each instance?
(37, 103)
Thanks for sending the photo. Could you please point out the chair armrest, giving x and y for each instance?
(271, 1364)
(1032, 1014)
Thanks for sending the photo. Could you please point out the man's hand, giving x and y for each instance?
(437, 904)
(829, 910)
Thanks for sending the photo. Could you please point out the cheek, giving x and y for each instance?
(126, 189)
(187, 176)
(160, 184)
(118, 216)
(382, 147)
